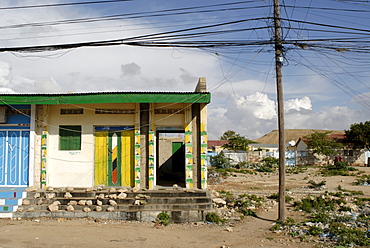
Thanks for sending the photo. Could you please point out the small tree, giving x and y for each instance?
(220, 161)
(321, 144)
(236, 141)
(359, 135)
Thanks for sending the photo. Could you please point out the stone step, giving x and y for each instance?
(164, 207)
(84, 194)
(126, 201)
(134, 215)
(180, 203)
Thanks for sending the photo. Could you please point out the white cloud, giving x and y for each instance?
(5, 74)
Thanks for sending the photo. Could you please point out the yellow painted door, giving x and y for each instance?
(101, 157)
(127, 145)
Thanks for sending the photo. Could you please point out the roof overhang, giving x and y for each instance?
(106, 97)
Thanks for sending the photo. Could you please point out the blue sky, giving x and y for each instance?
(326, 86)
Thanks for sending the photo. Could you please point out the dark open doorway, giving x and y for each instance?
(170, 158)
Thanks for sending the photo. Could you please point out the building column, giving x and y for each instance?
(144, 147)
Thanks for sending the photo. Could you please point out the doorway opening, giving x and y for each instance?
(170, 158)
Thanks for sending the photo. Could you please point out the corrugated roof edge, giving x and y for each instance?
(105, 97)
(104, 93)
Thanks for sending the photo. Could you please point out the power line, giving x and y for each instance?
(61, 4)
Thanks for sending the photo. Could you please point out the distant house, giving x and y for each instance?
(297, 153)
(215, 146)
(349, 155)
(104, 138)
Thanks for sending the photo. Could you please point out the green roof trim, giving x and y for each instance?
(107, 97)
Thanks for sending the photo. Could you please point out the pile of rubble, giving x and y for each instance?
(86, 205)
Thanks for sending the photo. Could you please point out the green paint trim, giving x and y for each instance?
(106, 97)
(189, 155)
(189, 180)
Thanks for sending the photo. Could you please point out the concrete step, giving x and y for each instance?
(134, 215)
(184, 205)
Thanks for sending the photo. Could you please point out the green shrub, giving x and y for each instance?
(362, 180)
(314, 230)
(214, 218)
(163, 218)
(315, 185)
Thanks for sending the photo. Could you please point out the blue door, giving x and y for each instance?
(14, 157)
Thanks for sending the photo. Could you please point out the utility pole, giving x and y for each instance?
(280, 100)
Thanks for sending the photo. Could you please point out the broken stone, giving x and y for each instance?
(30, 209)
(112, 190)
(138, 196)
(99, 203)
(69, 189)
(101, 196)
(68, 195)
(40, 202)
(82, 202)
(36, 195)
(97, 188)
(26, 202)
(137, 202)
(49, 188)
(98, 208)
(89, 203)
(50, 195)
(20, 209)
(113, 196)
(110, 209)
(53, 208)
(135, 189)
(122, 190)
(112, 202)
(70, 208)
(219, 201)
(122, 195)
(72, 203)
(89, 189)
(87, 209)
(31, 189)
(352, 206)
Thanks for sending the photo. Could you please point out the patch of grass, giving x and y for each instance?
(311, 204)
(338, 169)
(295, 169)
(247, 212)
(214, 218)
(350, 192)
(315, 231)
(316, 185)
(362, 180)
(349, 235)
(275, 196)
(322, 217)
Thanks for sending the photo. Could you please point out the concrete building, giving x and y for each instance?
(104, 138)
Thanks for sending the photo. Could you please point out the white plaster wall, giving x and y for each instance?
(170, 120)
(76, 168)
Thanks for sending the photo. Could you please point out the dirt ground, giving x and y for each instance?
(249, 232)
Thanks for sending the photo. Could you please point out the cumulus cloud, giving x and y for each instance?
(131, 69)
(256, 114)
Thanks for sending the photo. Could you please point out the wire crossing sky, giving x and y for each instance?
(119, 45)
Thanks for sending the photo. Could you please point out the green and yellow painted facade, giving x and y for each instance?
(115, 149)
